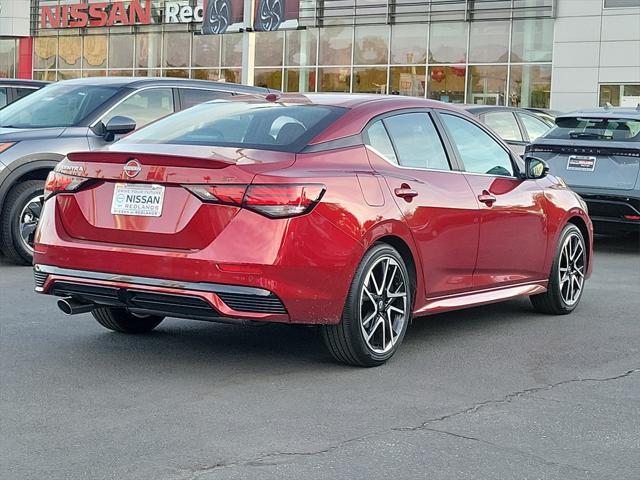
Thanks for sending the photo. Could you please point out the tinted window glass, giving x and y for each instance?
(3, 97)
(268, 126)
(144, 106)
(23, 92)
(417, 141)
(58, 105)
(608, 129)
(379, 140)
(504, 124)
(479, 152)
(192, 96)
(535, 128)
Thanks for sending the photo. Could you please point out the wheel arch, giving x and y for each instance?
(29, 169)
(579, 222)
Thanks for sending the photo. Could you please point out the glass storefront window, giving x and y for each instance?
(148, 49)
(448, 43)
(7, 57)
(409, 44)
(627, 95)
(176, 72)
(232, 75)
(120, 51)
(371, 45)
(446, 84)
(530, 86)
(335, 46)
(206, 51)
(370, 80)
(532, 40)
(232, 50)
(268, 77)
(69, 52)
(487, 85)
(334, 79)
(68, 74)
(301, 47)
(206, 74)
(94, 51)
(489, 42)
(45, 51)
(300, 80)
(121, 73)
(176, 50)
(152, 72)
(46, 75)
(94, 73)
(269, 49)
(408, 81)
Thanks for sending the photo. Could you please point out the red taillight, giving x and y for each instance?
(632, 217)
(59, 182)
(275, 201)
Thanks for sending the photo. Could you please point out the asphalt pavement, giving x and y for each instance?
(497, 392)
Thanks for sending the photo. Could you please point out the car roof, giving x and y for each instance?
(610, 112)
(18, 82)
(138, 82)
(479, 109)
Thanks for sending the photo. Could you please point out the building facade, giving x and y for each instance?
(562, 54)
(15, 39)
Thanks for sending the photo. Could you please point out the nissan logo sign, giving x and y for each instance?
(132, 168)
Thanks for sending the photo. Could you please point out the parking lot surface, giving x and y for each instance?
(497, 392)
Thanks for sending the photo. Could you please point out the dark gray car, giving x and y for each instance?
(37, 131)
(597, 153)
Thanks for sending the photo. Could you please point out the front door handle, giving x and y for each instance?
(486, 198)
(406, 192)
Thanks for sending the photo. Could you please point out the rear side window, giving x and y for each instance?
(607, 129)
(3, 97)
(193, 96)
(267, 126)
(23, 92)
(378, 139)
(535, 128)
(144, 106)
(416, 141)
(504, 124)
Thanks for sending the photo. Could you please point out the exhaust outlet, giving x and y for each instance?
(69, 306)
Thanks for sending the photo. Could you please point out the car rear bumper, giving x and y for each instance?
(613, 212)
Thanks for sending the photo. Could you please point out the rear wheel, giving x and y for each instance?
(20, 217)
(123, 321)
(376, 313)
(566, 283)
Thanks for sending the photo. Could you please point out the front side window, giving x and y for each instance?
(478, 151)
(192, 96)
(504, 124)
(379, 140)
(3, 97)
(535, 128)
(417, 141)
(56, 105)
(144, 106)
(267, 126)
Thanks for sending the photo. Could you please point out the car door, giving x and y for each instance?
(513, 238)
(504, 123)
(436, 201)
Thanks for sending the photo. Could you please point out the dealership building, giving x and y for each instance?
(562, 54)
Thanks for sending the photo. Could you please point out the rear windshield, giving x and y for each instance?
(265, 126)
(616, 130)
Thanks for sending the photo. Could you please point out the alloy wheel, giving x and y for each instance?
(383, 305)
(271, 12)
(29, 218)
(571, 268)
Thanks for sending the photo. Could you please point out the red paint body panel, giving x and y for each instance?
(465, 252)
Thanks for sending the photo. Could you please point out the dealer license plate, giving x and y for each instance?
(585, 164)
(140, 200)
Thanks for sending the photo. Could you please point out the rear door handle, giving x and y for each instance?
(486, 198)
(406, 192)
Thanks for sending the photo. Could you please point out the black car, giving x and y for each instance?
(516, 126)
(14, 89)
(37, 132)
(597, 153)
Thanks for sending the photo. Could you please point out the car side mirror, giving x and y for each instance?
(535, 168)
(118, 125)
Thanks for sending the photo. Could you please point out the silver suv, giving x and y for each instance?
(37, 131)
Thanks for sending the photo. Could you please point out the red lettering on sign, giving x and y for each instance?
(102, 14)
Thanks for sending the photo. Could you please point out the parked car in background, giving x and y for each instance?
(353, 212)
(597, 153)
(12, 89)
(86, 114)
(516, 126)
(547, 115)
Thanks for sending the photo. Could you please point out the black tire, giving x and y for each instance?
(19, 196)
(270, 15)
(346, 341)
(217, 17)
(122, 321)
(552, 301)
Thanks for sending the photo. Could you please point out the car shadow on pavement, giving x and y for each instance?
(616, 244)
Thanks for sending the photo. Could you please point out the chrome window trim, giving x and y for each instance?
(402, 167)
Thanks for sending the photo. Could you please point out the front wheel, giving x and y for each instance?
(568, 275)
(122, 321)
(376, 313)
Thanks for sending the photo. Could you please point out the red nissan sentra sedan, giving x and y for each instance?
(355, 213)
